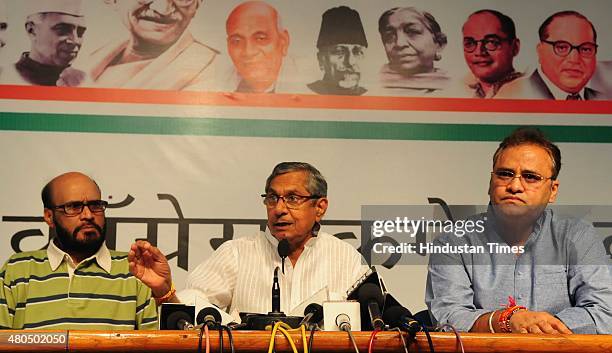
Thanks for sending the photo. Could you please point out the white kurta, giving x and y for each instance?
(238, 276)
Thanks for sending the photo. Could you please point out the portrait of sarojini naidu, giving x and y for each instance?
(413, 41)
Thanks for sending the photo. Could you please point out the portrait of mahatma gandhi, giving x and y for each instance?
(55, 30)
(341, 48)
(567, 53)
(413, 41)
(489, 48)
(160, 52)
(257, 44)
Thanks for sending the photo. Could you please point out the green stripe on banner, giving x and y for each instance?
(288, 128)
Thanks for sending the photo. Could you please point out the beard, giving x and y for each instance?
(68, 241)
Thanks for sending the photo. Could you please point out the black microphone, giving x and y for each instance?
(371, 295)
(313, 314)
(283, 251)
(208, 316)
(276, 293)
(398, 316)
(179, 320)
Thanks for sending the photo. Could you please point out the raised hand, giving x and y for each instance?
(149, 265)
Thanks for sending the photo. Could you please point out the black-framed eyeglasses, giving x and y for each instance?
(490, 44)
(75, 208)
(291, 201)
(505, 177)
(563, 48)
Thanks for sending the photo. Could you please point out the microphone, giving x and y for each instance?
(343, 322)
(276, 293)
(179, 320)
(398, 316)
(283, 251)
(313, 314)
(209, 316)
(371, 295)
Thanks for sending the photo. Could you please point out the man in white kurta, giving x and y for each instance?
(238, 276)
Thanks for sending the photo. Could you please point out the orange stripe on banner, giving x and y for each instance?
(307, 101)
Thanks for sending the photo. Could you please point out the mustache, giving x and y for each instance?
(147, 14)
(88, 224)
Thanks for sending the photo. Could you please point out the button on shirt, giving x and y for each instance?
(564, 271)
(238, 276)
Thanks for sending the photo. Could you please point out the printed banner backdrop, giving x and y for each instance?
(185, 166)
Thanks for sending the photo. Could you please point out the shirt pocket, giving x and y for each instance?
(551, 289)
(551, 276)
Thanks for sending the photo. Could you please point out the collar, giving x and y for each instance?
(37, 73)
(557, 92)
(479, 92)
(537, 227)
(57, 255)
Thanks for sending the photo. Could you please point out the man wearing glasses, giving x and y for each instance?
(489, 47)
(238, 276)
(76, 282)
(558, 280)
(567, 54)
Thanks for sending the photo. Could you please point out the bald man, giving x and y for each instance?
(257, 44)
(76, 283)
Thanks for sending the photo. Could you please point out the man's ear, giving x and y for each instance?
(321, 207)
(48, 216)
(554, 191)
(516, 47)
(30, 28)
(285, 40)
(321, 57)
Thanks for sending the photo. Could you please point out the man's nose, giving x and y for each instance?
(86, 214)
(350, 60)
(516, 185)
(74, 38)
(481, 49)
(163, 7)
(573, 56)
(281, 206)
(250, 49)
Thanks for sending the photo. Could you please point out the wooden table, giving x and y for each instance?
(257, 341)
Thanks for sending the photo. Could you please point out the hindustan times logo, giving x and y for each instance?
(412, 227)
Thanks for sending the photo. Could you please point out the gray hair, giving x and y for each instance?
(316, 182)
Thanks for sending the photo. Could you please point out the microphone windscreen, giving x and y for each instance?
(174, 318)
(370, 291)
(395, 316)
(316, 310)
(283, 248)
(208, 311)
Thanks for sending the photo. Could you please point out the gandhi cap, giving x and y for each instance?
(341, 25)
(67, 7)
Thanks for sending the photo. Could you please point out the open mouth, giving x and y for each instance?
(281, 224)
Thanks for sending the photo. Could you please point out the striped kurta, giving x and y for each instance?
(33, 296)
